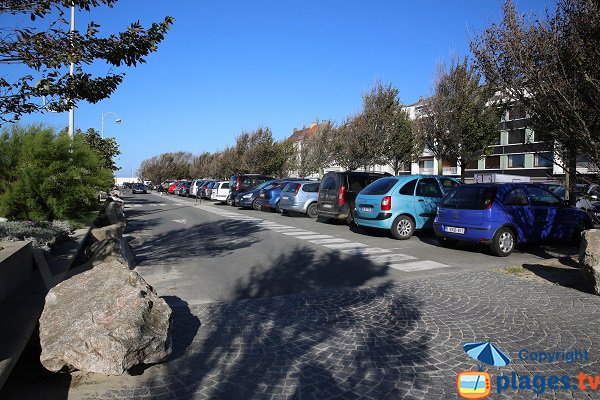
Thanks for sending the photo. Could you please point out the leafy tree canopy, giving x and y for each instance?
(47, 49)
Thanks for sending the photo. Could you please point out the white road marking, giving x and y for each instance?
(419, 266)
(300, 233)
(180, 221)
(369, 250)
(326, 239)
(386, 258)
(351, 245)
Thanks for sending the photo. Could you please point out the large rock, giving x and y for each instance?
(115, 214)
(108, 232)
(589, 258)
(111, 250)
(105, 320)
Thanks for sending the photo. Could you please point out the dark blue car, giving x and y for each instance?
(503, 215)
(271, 194)
(248, 199)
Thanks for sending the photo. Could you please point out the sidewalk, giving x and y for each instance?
(393, 341)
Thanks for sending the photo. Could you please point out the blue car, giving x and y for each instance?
(401, 204)
(270, 195)
(248, 199)
(503, 215)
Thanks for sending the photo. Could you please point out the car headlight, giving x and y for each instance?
(247, 196)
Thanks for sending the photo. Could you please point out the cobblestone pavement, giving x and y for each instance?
(387, 342)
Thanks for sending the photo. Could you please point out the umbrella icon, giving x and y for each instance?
(486, 353)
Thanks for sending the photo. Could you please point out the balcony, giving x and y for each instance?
(426, 171)
(450, 171)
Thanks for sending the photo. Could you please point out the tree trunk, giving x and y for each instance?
(440, 167)
(462, 170)
(571, 177)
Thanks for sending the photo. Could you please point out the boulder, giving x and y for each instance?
(108, 232)
(105, 320)
(114, 213)
(109, 250)
(589, 258)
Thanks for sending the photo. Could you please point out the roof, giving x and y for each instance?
(301, 134)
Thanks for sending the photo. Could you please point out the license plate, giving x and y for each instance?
(285, 198)
(366, 209)
(262, 195)
(452, 229)
(327, 205)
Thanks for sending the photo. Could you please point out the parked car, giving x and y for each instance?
(243, 183)
(139, 187)
(208, 189)
(338, 191)
(184, 190)
(248, 199)
(504, 215)
(180, 187)
(172, 187)
(300, 197)
(402, 204)
(270, 196)
(220, 191)
(196, 184)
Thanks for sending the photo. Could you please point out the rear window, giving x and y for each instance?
(357, 183)
(469, 197)
(290, 187)
(380, 186)
(409, 188)
(311, 188)
(225, 185)
(329, 183)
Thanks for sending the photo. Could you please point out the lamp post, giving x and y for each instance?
(71, 71)
(117, 120)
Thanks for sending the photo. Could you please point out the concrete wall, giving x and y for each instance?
(16, 266)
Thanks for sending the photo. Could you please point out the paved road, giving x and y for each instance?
(203, 253)
(266, 308)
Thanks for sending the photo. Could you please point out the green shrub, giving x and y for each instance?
(52, 177)
(42, 234)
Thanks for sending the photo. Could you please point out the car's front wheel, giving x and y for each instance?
(277, 208)
(403, 227)
(229, 201)
(503, 242)
(311, 211)
(256, 205)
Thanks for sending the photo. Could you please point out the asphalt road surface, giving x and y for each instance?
(205, 252)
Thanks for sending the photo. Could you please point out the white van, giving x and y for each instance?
(220, 192)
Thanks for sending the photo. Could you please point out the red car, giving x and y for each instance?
(172, 187)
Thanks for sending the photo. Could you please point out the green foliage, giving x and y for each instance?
(44, 49)
(107, 149)
(166, 166)
(54, 178)
(42, 234)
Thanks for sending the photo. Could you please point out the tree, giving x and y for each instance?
(315, 152)
(166, 166)
(107, 149)
(350, 144)
(54, 177)
(48, 50)
(550, 66)
(388, 128)
(459, 121)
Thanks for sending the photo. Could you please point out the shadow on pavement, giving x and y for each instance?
(563, 273)
(321, 344)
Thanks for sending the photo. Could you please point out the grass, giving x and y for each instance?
(516, 270)
(85, 221)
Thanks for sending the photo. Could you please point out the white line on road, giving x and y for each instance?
(180, 221)
(300, 233)
(419, 266)
(323, 239)
(387, 258)
(351, 245)
(369, 250)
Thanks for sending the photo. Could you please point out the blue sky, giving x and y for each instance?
(230, 66)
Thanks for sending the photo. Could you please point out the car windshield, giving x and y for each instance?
(261, 186)
(469, 197)
(380, 186)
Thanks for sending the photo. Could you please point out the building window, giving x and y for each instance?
(492, 162)
(540, 137)
(517, 112)
(542, 159)
(516, 136)
(426, 164)
(516, 161)
(473, 164)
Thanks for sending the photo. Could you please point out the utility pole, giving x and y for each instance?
(71, 72)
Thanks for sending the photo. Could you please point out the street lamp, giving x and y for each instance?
(117, 120)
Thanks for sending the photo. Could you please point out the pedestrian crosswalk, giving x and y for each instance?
(390, 257)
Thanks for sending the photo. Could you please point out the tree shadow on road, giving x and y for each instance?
(349, 342)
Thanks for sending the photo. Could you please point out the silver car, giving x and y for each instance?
(300, 196)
